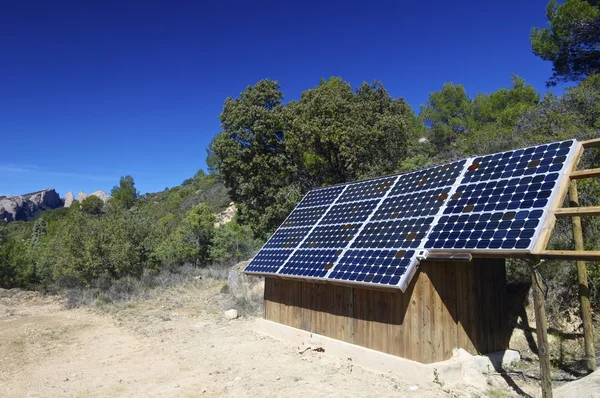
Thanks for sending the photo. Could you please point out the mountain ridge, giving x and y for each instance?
(24, 207)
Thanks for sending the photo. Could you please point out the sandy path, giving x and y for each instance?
(175, 344)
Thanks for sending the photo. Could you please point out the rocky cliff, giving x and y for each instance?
(81, 196)
(23, 207)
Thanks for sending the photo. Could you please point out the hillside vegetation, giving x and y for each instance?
(92, 244)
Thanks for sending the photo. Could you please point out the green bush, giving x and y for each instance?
(92, 205)
(233, 243)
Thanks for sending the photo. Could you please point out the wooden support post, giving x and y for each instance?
(542, 333)
(584, 291)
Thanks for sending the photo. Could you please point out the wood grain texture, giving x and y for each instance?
(447, 305)
(590, 173)
(595, 143)
(573, 255)
(577, 211)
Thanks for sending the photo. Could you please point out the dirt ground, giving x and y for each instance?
(175, 344)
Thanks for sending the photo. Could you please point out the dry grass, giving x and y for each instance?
(114, 295)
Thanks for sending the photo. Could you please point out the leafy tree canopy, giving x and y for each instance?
(446, 116)
(125, 194)
(92, 205)
(571, 40)
(250, 155)
(337, 134)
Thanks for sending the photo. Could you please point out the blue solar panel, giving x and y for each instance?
(384, 267)
(415, 204)
(310, 263)
(350, 212)
(287, 238)
(268, 261)
(432, 177)
(367, 189)
(320, 197)
(371, 232)
(331, 236)
(393, 234)
(304, 216)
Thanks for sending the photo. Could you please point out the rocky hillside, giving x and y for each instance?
(24, 207)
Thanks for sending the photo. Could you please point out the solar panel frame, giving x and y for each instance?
(527, 163)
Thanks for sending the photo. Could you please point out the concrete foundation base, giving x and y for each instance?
(462, 365)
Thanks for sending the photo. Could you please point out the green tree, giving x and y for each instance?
(198, 226)
(338, 135)
(495, 116)
(250, 155)
(447, 116)
(125, 194)
(16, 269)
(571, 40)
(232, 243)
(92, 205)
(574, 115)
(39, 230)
(190, 243)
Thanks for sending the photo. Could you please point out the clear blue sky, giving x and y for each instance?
(93, 90)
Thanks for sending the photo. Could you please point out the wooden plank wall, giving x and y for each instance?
(447, 305)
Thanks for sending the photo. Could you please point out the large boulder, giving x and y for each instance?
(245, 288)
(69, 198)
(101, 194)
(226, 215)
(24, 207)
(589, 386)
(81, 196)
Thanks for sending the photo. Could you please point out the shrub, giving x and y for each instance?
(233, 243)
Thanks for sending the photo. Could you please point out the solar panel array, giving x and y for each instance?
(371, 231)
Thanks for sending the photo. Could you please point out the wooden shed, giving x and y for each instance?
(432, 275)
(447, 305)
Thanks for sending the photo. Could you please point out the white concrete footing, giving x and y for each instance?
(462, 365)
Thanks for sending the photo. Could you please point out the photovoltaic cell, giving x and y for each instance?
(370, 231)
(287, 238)
(268, 261)
(433, 177)
(310, 263)
(367, 190)
(349, 212)
(331, 236)
(320, 197)
(384, 267)
(499, 230)
(304, 216)
(522, 162)
(415, 204)
(516, 193)
(395, 234)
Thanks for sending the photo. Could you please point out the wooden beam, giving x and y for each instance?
(584, 291)
(579, 174)
(568, 255)
(577, 211)
(541, 325)
(595, 143)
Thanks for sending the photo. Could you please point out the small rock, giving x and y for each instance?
(231, 314)
(413, 388)
(238, 378)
